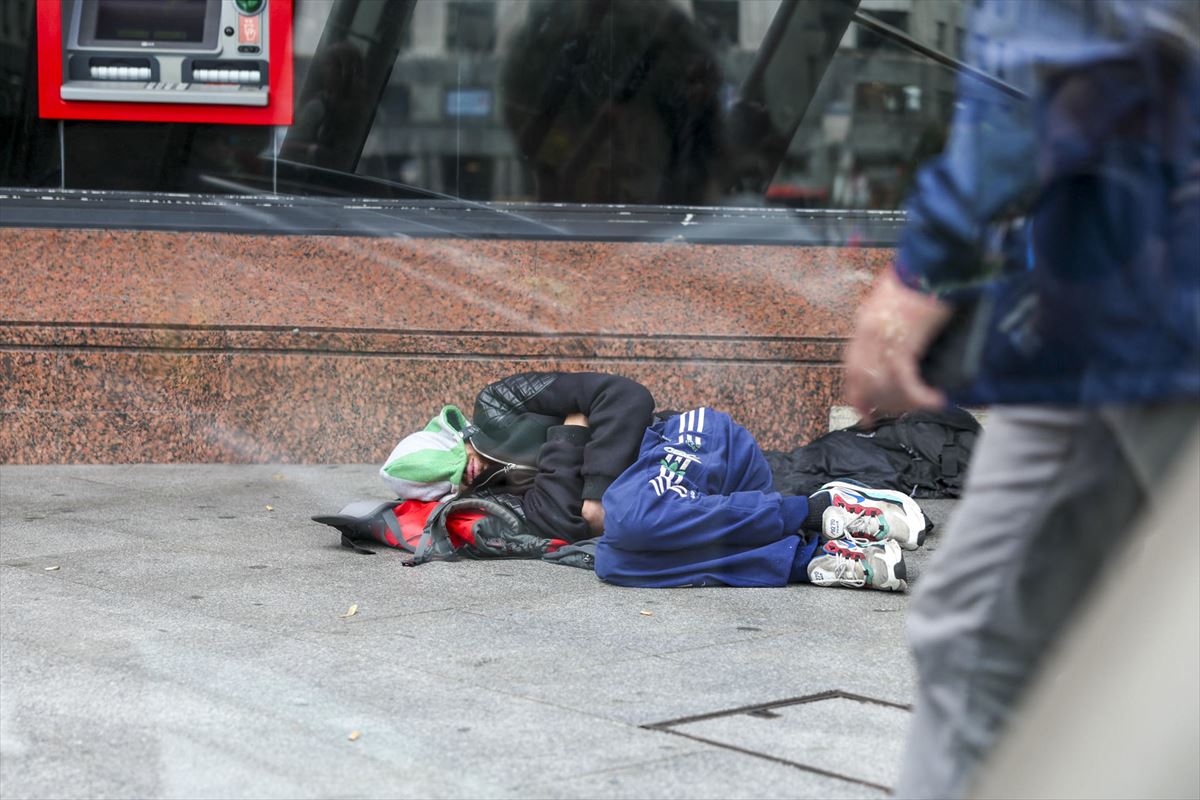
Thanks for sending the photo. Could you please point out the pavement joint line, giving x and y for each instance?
(776, 759)
(764, 710)
(832, 694)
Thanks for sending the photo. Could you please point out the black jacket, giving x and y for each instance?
(921, 453)
(518, 422)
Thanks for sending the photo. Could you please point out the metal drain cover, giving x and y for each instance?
(841, 735)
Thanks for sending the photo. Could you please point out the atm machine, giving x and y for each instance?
(166, 60)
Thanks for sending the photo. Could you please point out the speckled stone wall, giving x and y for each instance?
(124, 346)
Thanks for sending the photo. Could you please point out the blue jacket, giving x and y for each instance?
(697, 508)
(1096, 177)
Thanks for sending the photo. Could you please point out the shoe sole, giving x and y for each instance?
(897, 570)
(912, 512)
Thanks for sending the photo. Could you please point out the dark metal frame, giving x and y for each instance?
(450, 218)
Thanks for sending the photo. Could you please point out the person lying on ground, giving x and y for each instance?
(721, 523)
(697, 508)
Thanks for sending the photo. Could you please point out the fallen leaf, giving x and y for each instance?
(353, 610)
(354, 736)
(645, 613)
(270, 508)
(50, 569)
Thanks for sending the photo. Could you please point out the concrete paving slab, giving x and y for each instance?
(654, 689)
(848, 736)
(238, 691)
(660, 621)
(855, 649)
(190, 643)
(711, 775)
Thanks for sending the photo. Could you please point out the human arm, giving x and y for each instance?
(895, 326)
(617, 412)
(554, 504)
(593, 509)
(987, 172)
(575, 462)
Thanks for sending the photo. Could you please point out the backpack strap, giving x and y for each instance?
(950, 454)
(435, 544)
(355, 546)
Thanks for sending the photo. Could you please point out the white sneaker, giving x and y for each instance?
(871, 515)
(844, 562)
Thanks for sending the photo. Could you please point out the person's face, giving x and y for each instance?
(477, 465)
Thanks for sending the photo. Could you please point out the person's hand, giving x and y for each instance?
(895, 327)
(577, 418)
(593, 515)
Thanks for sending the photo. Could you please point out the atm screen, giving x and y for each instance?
(150, 20)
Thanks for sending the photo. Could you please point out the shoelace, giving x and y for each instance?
(870, 527)
(866, 525)
(844, 562)
(844, 565)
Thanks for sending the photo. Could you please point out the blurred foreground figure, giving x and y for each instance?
(616, 101)
(1070, 220)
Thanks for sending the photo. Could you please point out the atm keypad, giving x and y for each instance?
(120, 73)
(227, 76)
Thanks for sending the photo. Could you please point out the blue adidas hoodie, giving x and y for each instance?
(697, 509)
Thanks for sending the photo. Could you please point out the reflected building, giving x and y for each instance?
(883, 108)
(875, 109)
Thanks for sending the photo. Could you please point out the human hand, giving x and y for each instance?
(895, 327)
(578, 418)
(593, 515)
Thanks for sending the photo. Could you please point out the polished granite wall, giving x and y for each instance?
(127, 346)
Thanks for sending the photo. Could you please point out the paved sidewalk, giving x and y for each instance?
(180, 631)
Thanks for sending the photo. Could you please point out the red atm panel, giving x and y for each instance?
(154, 61)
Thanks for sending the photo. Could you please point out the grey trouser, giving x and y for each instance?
(1051, 494)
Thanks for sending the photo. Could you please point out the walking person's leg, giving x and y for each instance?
(1050, 496)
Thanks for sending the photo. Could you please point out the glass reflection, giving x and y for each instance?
(615, 102)
(656, 102)
(708, 102)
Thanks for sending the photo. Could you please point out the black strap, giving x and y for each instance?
(393, 525)
(350, 543)
(949, 459)
(435, 539)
